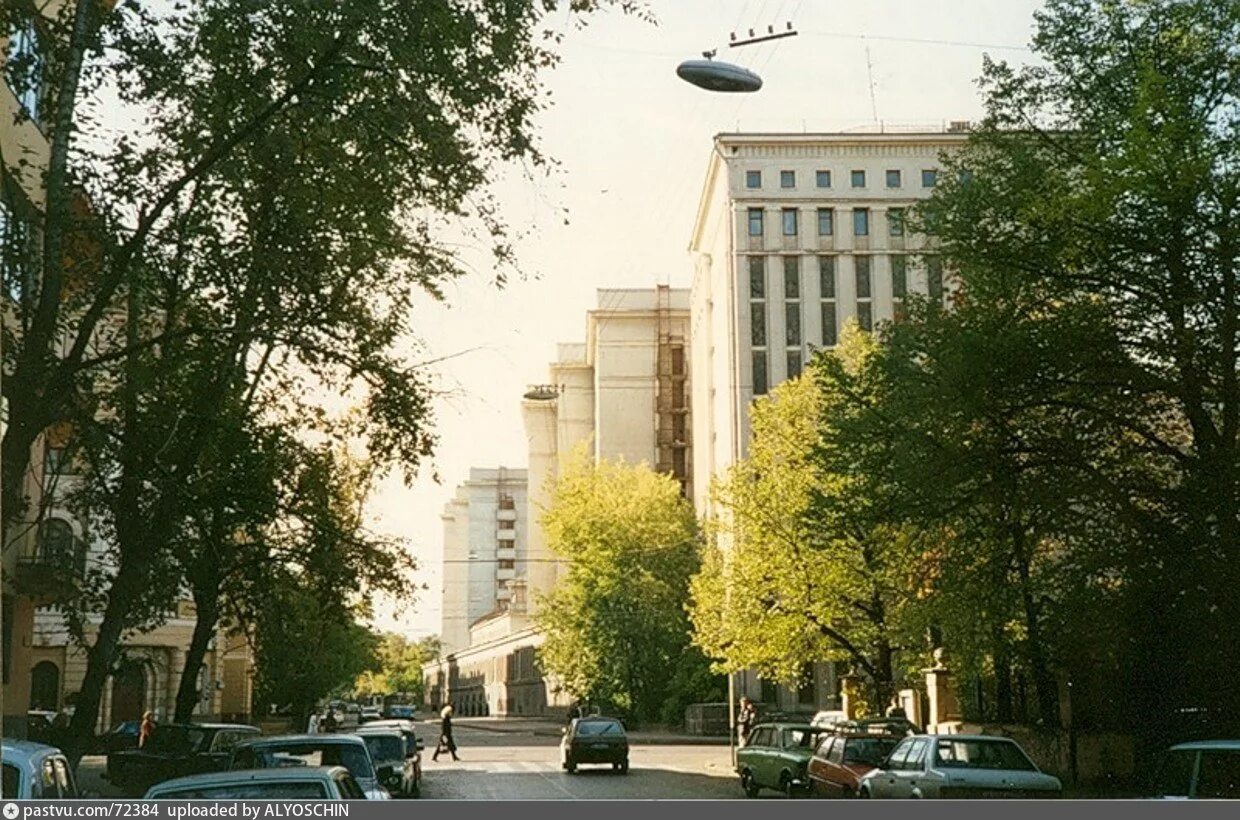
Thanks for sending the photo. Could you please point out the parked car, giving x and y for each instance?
(288, 751)
(594, 740)
(34, 771)
(39, 725)
(122, 736)
(958, 766)
(409, 731)
(303, 783)
(368, 715)
(397, 758)
(1201, 770)
(898, 726)
(829, 719)
(841, 760)
(776, 756)
(401, 711)
(176, 750)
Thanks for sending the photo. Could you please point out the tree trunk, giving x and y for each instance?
(204, 630)
(1003, 678)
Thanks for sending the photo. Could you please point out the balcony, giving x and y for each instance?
(506, 515)
(506, 551)
(506, 535)
(52, 567)
(505, 574)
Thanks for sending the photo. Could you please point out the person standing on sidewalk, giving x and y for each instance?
(745, 720)
(446, 743)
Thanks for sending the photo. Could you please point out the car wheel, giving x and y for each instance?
(785, 785)
(570, 766)
(747, 783)
(623, 767)
(864, 794)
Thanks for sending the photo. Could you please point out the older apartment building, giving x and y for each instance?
(795, 235)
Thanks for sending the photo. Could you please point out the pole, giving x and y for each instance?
(732, 717)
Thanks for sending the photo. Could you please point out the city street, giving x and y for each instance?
(526, 766)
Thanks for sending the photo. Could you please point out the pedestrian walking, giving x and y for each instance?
(312, 727)
(146, 728)
(745, 720)
(328, 724)
(446, 743)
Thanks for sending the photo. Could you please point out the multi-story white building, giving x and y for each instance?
(484, 552)
(623, 394)
(796, 234)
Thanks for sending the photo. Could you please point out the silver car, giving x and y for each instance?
(294, 751)
(298, 783)
(958, 766)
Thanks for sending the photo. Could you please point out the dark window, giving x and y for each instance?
(787, 179)
(760, 385)
(507, 563)
(757, 324)
(792, 277)
(678, 361)
(934, 277)
(757, 277)
(826, 276)
(507, 525)
(899, 277)
(861, 222)
(830, 332)
(893, 179)
(858, 179)
(6, 613)
(753, 179)
(895, 222)
(12, 777)
(792, 324)
(805, 693)
(929, 178)
(14, 249)
(790, 221)
(1175, 774)
(1218, 775)
(863, 276)
(865, 317)
(769, 692)
(755, 222)
(822, 179)
(826, 222)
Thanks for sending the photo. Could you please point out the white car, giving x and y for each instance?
(34, 771)
(301, 751)
(958, 766)
(300, 783)
(828, 719)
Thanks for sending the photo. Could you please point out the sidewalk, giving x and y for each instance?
(546, 727)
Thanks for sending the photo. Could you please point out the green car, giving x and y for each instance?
(776, 756)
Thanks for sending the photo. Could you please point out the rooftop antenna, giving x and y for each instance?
(869, 67)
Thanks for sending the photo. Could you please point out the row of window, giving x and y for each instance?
(790, 221)
(23, 68)
(822, 179)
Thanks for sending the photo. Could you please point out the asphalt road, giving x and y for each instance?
(509, 765)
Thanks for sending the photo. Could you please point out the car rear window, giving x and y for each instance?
(868, 751)
(175, 740)
(288, 790)
(385, 747)
(599, 727)
(352, 756)
(982, 754)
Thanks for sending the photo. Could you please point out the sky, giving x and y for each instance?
(633, 142)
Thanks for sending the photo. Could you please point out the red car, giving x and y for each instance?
(841, 760)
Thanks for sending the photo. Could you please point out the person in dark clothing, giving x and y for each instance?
(446, 743)
(745, 720)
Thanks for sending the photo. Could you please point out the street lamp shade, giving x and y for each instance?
(715, 76)
(542, 392)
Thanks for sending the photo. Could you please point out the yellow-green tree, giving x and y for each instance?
(616, 626)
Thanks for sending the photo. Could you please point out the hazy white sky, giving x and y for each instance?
(633, 140)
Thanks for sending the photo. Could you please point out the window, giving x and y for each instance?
(792, 277)
(787, 179)
(507, 525)
(761, 736)
(790, 221)
(893, 179)
(506, 502)
(507, 563)
(861, 222)
(895, 222)
(836, 753)
(760, 385)
(982, 754)
(14, 250)
(822, 179)
(896, 761)
(792, 324)
(755, 222)
(753, 179)
(805, 693)
(929, 178)
(757, 277)
(23, 68)
(899, 283)
(865, 309)
(826, 222)
(965, 176)
(12, 777)
(826, 291)
(55, 462)
(858, 179)
(934, 278)
(6, 623)
(916, 760)
(757, 324)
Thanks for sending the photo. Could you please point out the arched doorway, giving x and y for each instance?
(128, 692)
(45, 686)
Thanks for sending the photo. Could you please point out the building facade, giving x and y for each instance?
(624, 395)
(484, 551)
(795, 235)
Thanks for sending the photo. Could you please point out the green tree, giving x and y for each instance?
(615, 623)
(805, 568)
(1109, 174)
(400, 667)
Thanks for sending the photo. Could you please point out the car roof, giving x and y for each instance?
(966, 737)
(1207, 745)
(213, 726)
(251, 776)
(392, 723)
(15, 750)
(790, 724)
(281, 740)
(370, 729)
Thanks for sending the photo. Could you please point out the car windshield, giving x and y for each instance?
(867, 750)
(599, 727)
(353, 756)
(385, 747)
(175, 740)
(400, 711)
(982, 754)
(292, 790)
